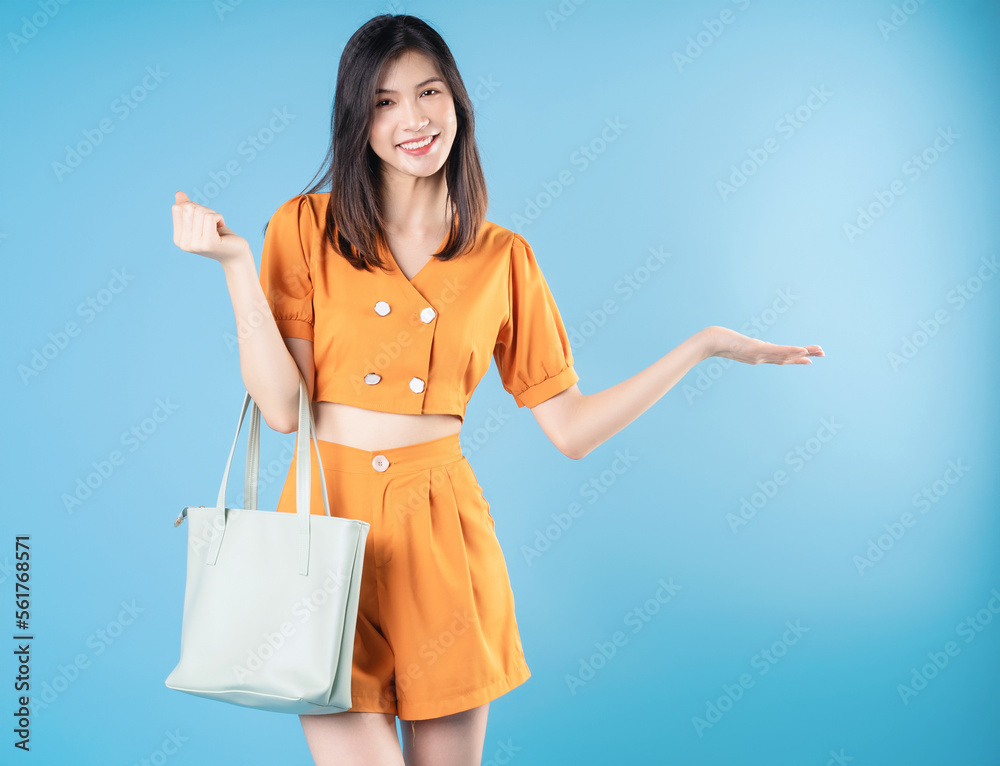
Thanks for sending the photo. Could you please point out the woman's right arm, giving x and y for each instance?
(270, 372)
(269, 369)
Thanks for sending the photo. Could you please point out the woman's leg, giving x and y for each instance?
(451, 740)
(353, 739)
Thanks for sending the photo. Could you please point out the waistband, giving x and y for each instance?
(389, 460)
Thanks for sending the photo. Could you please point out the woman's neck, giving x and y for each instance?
(416, 205)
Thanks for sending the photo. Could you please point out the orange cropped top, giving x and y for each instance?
(421, 345)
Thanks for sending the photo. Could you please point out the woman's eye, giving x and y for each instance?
(387, 101)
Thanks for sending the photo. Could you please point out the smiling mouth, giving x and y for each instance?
(412, 145)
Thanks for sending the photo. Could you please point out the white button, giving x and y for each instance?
(427, 315)
(380, 463)
(371, 378)
(416, 385)
(381, 308)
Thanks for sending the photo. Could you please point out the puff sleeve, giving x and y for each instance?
(532, 350)
(284, 272)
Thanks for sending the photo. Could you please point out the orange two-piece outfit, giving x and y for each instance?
(436, 631)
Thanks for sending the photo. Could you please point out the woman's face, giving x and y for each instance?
(413, 102)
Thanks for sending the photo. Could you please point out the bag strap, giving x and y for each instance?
(253, 458)
(250, 480)
(303, 482)
(303, 479)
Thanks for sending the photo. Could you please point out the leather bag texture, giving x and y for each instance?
(271, 599)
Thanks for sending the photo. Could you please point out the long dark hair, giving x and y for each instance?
(355, 222)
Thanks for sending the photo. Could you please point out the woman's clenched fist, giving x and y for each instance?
(200, 230)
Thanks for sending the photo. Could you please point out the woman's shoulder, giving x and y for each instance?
(315, 202)
(307, 211)
(512, 243)
(493, 236)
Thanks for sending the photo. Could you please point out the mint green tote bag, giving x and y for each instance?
(271, 599)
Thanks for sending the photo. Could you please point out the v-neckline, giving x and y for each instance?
(419, 271)
(423, 268)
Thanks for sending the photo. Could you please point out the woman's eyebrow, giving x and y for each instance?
(418, 85)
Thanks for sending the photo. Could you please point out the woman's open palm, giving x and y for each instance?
(201, 230)
(733, 345)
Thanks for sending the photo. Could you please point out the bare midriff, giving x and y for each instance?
(372, 430)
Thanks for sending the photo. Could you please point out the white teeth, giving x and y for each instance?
(418, 144)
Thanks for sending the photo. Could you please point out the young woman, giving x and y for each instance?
(390, 294)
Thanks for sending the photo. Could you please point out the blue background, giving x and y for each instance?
(906, 383)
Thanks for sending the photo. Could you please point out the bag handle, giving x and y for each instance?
(250, 480)
(303, 481)
(253, 460)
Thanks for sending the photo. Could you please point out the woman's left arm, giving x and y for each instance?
(577, 423)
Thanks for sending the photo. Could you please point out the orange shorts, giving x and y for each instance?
(436, 632)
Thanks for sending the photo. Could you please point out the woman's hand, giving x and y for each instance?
(728, 343)
(200, 230)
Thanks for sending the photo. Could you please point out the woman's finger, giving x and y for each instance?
(798, 354)
(175, 213)
(209, 228)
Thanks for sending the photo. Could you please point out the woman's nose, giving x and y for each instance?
(413, 117)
